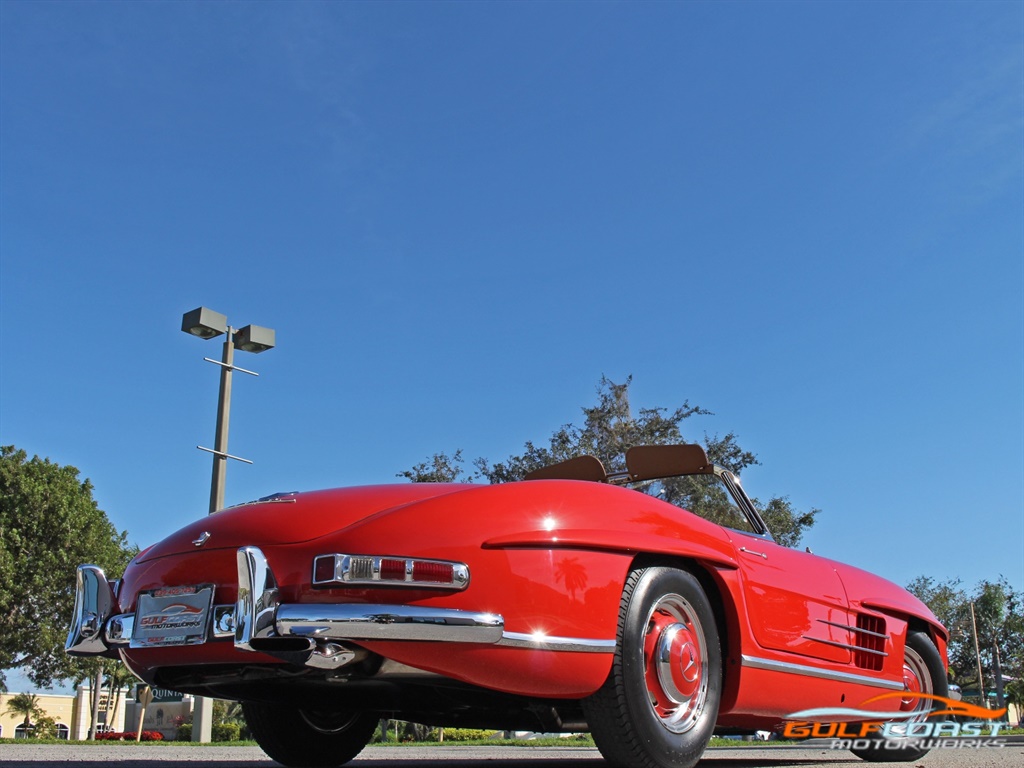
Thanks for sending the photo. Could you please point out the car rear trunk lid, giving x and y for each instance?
(291, 518)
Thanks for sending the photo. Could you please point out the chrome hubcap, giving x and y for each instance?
(675, 663)
(916, 679)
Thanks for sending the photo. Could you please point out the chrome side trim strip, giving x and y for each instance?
(826, 674)
(549, 643)
(846, 646)
(354, 621)
(854, 629)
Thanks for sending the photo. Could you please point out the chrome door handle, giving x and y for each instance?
(752, 552)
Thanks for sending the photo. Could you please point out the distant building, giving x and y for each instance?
(72, 712)
(164, 714)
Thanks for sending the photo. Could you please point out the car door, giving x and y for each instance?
(796, 602)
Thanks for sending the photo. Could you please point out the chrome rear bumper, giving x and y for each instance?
(304, 632)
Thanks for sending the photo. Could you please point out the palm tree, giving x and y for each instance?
(26, 704)
(118, 677)
(91, 669)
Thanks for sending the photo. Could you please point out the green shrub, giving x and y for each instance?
(44, 727)
(466, 734)
(225, 732)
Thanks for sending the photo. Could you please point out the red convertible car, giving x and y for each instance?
(565, 602)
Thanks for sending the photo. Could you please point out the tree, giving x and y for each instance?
(49, 525)
(999, 619)
(229, 721)
(440, 468)
(118, 679)
(1015, 693)
(26, 705)
(608, 430)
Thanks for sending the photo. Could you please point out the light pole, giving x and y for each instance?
(207, 324)
(977, 658)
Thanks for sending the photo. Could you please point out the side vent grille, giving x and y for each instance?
(870, 639)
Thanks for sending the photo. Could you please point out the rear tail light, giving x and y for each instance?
(432, 572)
(392, 569)
(332, 570)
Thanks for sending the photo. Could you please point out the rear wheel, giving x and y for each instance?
(923, 672)
(658, 707)
(308, 737)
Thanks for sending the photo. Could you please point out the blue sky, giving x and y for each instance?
(805, 217)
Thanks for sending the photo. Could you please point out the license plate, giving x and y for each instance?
(172, 616)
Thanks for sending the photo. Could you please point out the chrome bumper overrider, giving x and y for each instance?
(307, 633)
(94, 606)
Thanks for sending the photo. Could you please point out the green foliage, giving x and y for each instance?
(229, 720)
(440, 468)
(998, 617)
(225, 732)
(228, 723)
(466, 734)
(44, 727)
(395, 731)
(1015, 693)
(25, 705)
(117, 678)
(49, 525)
(608, 430)
(786, 524)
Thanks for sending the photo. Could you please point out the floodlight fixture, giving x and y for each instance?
(255, 338)
(204, 323)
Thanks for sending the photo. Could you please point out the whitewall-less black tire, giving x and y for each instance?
(658, 707)
(923, 672)
(297, 737)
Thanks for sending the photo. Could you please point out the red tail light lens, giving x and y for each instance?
(432, 572)
(391, 569)
(323, 570)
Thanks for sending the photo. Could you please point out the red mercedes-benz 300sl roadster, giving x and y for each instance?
(565, 602)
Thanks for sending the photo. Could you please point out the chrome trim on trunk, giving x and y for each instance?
(826, 674)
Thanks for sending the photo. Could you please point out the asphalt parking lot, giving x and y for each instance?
(27, 755)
